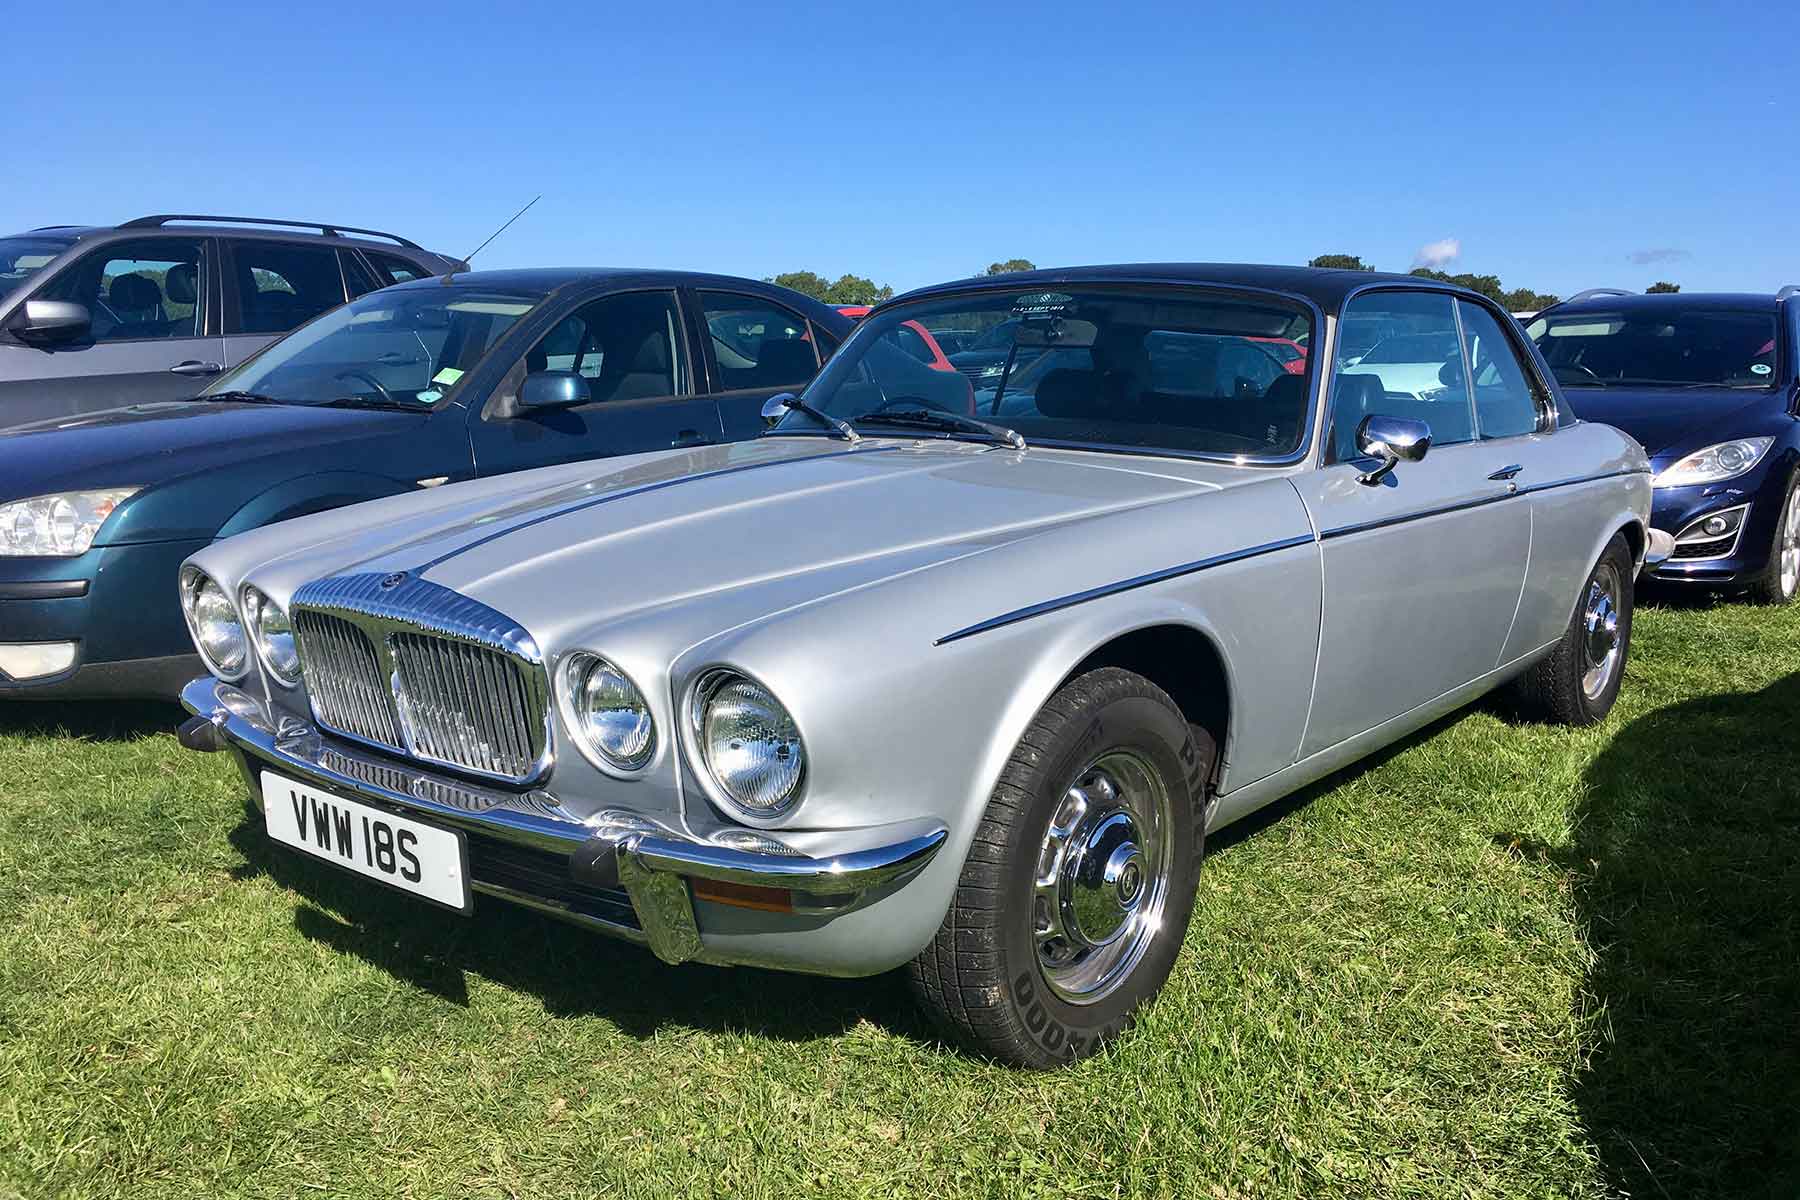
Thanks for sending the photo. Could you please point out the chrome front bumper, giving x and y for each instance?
(653, 865)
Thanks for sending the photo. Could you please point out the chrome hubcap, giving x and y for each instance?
(1102, 877)
(1600, 631)
(1790, 544)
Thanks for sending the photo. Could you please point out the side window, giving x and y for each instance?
(279, 285)
(394, 269)
(357, 277)
(757, 344)
(1403, 360)
(137, 290)
(1504, 405)
(624, 346)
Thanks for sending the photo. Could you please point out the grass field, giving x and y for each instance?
(1501, 960)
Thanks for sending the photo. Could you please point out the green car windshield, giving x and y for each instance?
(397, 348)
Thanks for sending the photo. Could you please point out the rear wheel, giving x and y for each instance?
(1781, 578)
(1077, 891)
(1579, 680)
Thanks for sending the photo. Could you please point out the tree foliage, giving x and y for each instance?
(1661, 285)
(1340, 262)
(845, 289)
(1011, 264)
(1515, 300)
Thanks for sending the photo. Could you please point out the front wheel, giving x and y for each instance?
(1781, 578)
(1077, 890)
(1579, 680)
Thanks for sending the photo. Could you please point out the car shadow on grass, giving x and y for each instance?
(1686, 864)
(89, 720)
(574, 971)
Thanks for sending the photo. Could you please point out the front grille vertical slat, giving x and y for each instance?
(466, 688)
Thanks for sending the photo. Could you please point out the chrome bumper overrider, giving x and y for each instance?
(652, 864)
(1657, 549)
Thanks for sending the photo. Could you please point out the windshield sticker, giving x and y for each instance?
(1761, 369)
(448, 376)
(429, 396)
(1042, 304)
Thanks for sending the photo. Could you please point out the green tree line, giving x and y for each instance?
(1513, 300)
(855, 289)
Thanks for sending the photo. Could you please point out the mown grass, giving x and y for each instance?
(1501, 960)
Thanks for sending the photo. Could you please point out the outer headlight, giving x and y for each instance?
(748, 743)
(214, 625)
(58, 526)
(273, 634)
(1726, 460)
(606, 712)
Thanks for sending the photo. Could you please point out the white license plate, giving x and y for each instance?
(422, 859)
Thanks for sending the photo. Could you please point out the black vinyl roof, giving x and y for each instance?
(1325, 287)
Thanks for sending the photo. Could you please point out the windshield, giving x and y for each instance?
(1154, 369)
(399, 348)
(1664, 347)
(23, 257)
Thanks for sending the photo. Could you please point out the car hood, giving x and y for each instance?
(1665, 418)
(148, 444)
(785, 519)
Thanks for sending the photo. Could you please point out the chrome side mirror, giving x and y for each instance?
(53, 321)
(776, 406)
(553, 389)
(1393, 440)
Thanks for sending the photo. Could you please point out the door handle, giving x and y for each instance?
(194, 366)
(1507, 472)
(690, 437)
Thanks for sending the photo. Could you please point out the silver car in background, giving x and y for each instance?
(913, 680)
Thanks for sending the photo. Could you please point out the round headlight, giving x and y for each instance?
(214, 624)
(748, 743)
(273, 634)
(607, 712)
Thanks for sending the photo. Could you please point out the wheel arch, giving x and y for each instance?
(309, 494)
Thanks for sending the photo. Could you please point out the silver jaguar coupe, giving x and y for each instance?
(942, 672)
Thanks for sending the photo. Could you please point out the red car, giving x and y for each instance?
(1291, 355)
(925, 349)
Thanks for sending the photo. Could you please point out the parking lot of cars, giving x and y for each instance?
(935, 637)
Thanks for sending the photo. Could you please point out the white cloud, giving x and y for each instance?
(1437, 255)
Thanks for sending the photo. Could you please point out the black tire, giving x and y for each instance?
(1556, 688)
(1770, 587)
(982, 976)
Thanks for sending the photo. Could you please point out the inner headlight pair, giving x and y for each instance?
(220, 634)
(746, 741)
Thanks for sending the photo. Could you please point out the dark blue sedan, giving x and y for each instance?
(1710, 384)
(429, 382)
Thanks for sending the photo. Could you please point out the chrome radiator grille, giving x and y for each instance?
(413, 667)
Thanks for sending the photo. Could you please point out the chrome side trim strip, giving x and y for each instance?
(1124, 585)
(1478, 502)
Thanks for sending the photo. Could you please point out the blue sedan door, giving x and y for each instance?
(631, 351)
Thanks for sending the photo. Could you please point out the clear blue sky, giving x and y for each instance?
(915, 142)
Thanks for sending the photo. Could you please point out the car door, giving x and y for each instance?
(753, 348)
(153, 334)
(1422, 569)
(630, 349)
(271, 287)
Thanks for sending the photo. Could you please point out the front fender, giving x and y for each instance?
(310, 494)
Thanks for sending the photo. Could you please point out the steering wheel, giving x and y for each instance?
(1588, 372)
(907, 402)
(386, 396)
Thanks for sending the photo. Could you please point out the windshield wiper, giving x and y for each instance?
(366, 402)
(240, 398)
(840, 428)
(948, 422)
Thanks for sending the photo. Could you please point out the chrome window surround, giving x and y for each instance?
(386, 607)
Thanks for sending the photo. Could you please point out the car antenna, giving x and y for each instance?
(470, 256)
